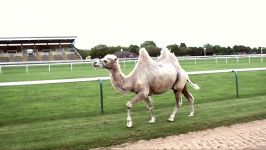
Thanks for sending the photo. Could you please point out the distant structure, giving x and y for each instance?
(125, 54)
(15, 49)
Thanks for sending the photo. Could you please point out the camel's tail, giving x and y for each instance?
(195, 86)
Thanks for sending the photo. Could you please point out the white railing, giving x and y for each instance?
(42, 62)
(226, 70)
(108, 78)
(124, 61)
(134, 59)
(100, 79)
(53, 81)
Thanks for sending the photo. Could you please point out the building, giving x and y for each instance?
(15, 49)
(125, 54)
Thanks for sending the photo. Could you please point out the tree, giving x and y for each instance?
(173, 47)
(178, 50)
(133, 49)
(208, 49)
(183, 50)
(147, 44)
(255, 50)
(195, 51)
(151, 47)
(154, 51)
(183, 45)
(217, 49)
(83, 53)
(241, 49)
(113, 49)
(228, 51)
(263, 50)
(99, 51)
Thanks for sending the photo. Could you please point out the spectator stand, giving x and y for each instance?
(14, 49)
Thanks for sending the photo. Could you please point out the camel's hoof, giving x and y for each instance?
(171, 119)
(152, 120)
(191, 115)
(129, 124)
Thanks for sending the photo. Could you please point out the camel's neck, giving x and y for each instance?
(118, 79)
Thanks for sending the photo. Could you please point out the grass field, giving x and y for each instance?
(67, 116)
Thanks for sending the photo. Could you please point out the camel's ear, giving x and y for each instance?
(116, 59)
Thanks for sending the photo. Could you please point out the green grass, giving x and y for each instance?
(67, 116)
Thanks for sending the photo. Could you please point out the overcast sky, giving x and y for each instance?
(125, 22)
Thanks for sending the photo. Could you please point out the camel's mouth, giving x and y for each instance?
(97, 63)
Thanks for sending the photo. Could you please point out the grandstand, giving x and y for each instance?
(16, 49)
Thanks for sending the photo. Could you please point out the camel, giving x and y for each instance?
(150, 77)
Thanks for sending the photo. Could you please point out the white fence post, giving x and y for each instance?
(237, 59)
(1, 70)
(71, 67)
(27, 69)
(124, 63)
(216, 60)
(195, 61)
(249, 59)
(261, 59)
(226, 60)
(49, 67)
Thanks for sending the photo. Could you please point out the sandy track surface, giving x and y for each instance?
(250, 135)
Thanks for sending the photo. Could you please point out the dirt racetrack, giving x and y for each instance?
(250, 135)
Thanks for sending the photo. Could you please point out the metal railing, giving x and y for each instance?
(123, 61)
(100, 79)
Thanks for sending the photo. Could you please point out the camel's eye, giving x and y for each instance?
(105, 61)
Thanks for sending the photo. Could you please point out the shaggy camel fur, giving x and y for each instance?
(150, 77)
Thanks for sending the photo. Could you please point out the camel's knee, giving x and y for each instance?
(129, 105)
(178, 87)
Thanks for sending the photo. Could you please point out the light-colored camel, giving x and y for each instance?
(150, 77)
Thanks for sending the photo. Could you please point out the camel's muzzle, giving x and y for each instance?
(97, 63)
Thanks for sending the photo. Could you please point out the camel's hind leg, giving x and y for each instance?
(177, 97)
(149, 105)
(190, 99)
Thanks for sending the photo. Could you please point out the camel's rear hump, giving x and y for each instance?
(168, 57)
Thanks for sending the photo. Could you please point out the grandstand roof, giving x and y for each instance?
(44, 39)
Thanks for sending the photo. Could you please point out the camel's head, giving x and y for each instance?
(108, 62)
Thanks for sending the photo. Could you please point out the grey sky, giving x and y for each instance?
(125, 22)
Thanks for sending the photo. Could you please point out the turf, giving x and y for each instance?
(67, 116)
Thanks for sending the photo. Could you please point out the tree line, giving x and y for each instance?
(101, 50)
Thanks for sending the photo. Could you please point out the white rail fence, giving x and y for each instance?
(124, 61)
(18, 83)
(100, 79)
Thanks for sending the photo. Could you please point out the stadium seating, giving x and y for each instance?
(45, 55)
(4, 57)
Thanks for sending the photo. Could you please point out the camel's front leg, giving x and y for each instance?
(130, 104)
(129, 120)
